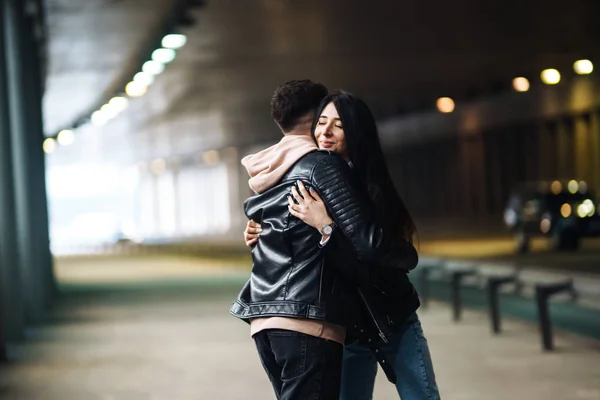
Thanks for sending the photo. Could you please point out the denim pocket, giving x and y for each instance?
(289, 349)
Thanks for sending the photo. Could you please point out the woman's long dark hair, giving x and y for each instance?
(366, 155)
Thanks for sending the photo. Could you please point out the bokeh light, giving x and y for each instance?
(521, 84)
(174, 41)
(65, 137)
(49, 145)
(550, 76)
(445, 104)
(583, 67)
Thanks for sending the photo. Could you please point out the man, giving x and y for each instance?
(299, 306)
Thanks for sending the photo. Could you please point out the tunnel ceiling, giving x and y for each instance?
(398, 55)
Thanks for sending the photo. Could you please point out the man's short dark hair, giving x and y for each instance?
(295, 99)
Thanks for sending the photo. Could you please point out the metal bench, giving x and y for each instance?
(457, 271)
(544, 286)
(496, 277)
(537, 284)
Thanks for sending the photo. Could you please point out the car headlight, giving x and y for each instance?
(565, 210)
(545, 225)
(586, 209)
(510, 217)
(590, 207)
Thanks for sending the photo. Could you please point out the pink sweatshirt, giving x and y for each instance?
(266, 168)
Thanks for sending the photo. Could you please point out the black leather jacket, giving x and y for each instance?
(384, 301)
(387, 297)
(289, 275)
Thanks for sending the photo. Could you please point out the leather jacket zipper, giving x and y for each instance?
(380, 333)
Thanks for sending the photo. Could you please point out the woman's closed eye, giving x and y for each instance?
(323, 123)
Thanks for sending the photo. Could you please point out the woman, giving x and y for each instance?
(345, 125)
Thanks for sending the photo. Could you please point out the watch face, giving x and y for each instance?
(327, 229)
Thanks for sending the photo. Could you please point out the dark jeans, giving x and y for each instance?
(300, 366)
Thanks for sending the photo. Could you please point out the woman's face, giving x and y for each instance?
(329, 132)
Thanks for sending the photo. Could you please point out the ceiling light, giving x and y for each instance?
(583, 67)
(521, 84)
(164, 56)
(153, 67)
(65, 137)
(550, 76)
(99, 118)
(135, 89)
(49, 145)
(109, 111)
(445, 104)
(119, 103)
(143, 78)
(174, 41)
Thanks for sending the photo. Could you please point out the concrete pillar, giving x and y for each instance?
(546, 161)
(594, 129)
(463, 182)
(25, 103)
(147, 215)
(495, 173)
(237, 188)
(175, 168)
(471, 161)
(582, 148)
(564, 144)
(38, 159)
(11, 302)
(243, 191)
(454, 179)
(155, 201)
(531, 152)
(427, 178)
(437, 183)
(478, 167)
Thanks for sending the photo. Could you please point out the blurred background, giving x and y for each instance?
(122, 126)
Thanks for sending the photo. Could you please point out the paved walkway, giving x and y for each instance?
(171, 338)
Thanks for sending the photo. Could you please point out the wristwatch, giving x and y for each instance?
(328, 229)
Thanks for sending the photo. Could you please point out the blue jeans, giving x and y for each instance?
(407, 350)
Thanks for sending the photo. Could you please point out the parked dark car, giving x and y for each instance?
(564, 211)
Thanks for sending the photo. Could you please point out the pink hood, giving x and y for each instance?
(268, 166)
